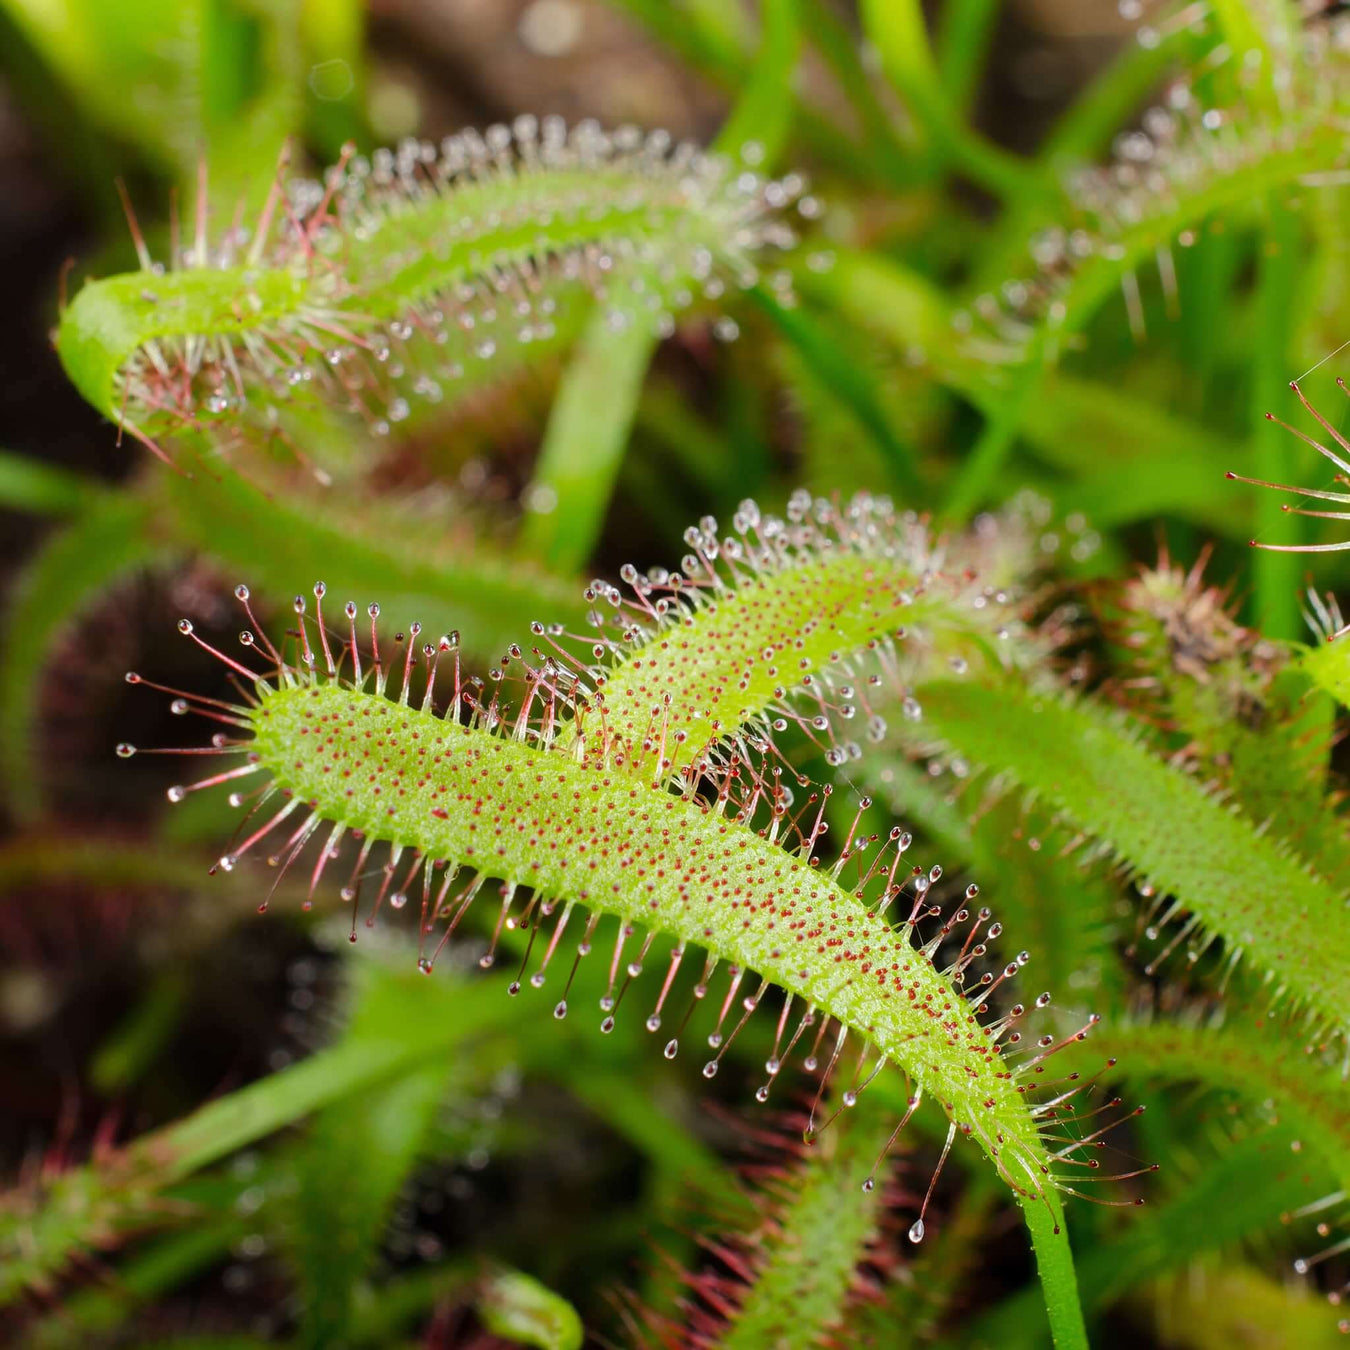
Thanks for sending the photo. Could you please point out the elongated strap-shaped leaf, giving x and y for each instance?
(555, 798)
(821, 1237)
(372, 1143)
(378, 287)
(516, 806)
(579, 836)
(811, 1232)
(825, 608)
(1241, 885)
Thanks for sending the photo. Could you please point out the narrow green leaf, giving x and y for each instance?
(1254, 1063)
(1277, 573)
(811, 1254)
(756, 132)
(900, 34)
(356, 1158)
(28, 484)
(964, 38)
(584, 444)
(132, 1047)
(1243, 886)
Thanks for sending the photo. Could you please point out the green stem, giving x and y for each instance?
(963, 44)
(1276, 574)
(1054, 1266)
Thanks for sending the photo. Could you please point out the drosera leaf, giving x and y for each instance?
(794, 1271)
(1235, 705)
(802, 1288)
(1187, 163)
(377, 287)
(535, 794)
(833, 609)
(502, 795)
(520, 1309)
(1191, 851)
(609, 842)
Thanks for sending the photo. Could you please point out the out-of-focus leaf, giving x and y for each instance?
(518, 1308)
(27, 484)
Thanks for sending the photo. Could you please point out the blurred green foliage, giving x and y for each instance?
(1100, 308)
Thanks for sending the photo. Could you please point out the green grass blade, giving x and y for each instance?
(900, 34)
(757, 130)
(1275, 601)
(847, 381)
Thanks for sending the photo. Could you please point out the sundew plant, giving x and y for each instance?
(672, 674)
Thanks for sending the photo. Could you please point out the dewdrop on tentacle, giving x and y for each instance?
(400, 276)
(503, 788)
